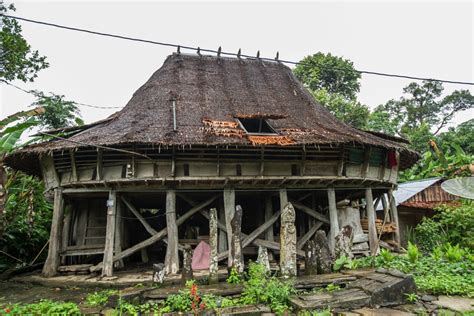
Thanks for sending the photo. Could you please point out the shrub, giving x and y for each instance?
(412, 252)
(428, 234)
(43, 307)
(99, 298)
(458, 221)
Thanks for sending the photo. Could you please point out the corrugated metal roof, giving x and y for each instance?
(408, 189)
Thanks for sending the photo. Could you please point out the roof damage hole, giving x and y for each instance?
(256, 126)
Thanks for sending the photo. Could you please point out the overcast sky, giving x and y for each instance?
(428, 39)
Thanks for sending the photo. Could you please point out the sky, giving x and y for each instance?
(426, 39)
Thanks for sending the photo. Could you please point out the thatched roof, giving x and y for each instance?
(210, 92)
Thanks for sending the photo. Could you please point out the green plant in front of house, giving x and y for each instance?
(447, 270)
(99, 298)
(263, 289)
(412, 297)
(413, 253)
(43, 307)
(234, 277)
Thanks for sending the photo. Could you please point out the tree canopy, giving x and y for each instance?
(19, 61)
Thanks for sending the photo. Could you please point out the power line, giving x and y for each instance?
(220, 52)
(32, 92)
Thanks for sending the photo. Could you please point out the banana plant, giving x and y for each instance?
(9, 140)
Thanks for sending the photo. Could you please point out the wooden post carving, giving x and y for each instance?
(236, 247)
(288, 241)
(187, 273)
(213, 241)
(323, 255)
(311, 259)
(263, 258)
(344, 242)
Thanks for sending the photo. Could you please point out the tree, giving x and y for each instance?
(24, 204)
(462, 135)
(19, 61)
(349, 111)
(334, 83)
(421, 112)
(334, 74)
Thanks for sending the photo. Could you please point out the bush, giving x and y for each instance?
(429, 234)
(458, 221)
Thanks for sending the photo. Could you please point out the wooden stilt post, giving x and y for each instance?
(288, 241)
(172, 258)
(333, 219)
(373, 240)
(283, 198)
(229, 207)
(394, 216)
(108, 261)
(52, 262)
(236, 247)
(222, 244)
(118, 233)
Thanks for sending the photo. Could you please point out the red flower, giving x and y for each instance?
(193, 305)
(7, 310)
(194, 289)
(202, 306)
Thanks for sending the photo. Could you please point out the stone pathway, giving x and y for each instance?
(456, 303)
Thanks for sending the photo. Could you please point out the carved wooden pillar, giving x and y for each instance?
(213, 238)
(52, 262)
(288, 241)
(236, 247)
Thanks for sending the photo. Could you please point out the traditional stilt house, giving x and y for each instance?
(210, 132)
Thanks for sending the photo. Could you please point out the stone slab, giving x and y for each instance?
(456, 303)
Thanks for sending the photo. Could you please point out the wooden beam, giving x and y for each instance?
(310, 211)
(394, 216)
(300, 244)
(373, 240)
(72, 154)
(99, 165)
(50, 175)
(137, 214)
(229, 208)
(172, 256)
(160, 235)
(108, 261)
(333, 218)
(257, 232)
(51, 265)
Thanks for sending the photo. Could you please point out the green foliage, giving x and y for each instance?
(332, 287)
(412, 297)
(429, 234)
(19, 61)
(334, 83)
(26, 220)
(234, 277)
(99, 298)
(462, 135)
(341, 262)
(58, 112)
(262, 289)
(43, 307)
(188, 299)
(413, 253)
(454, 253)
(349, 111)
(334, 74)
(420, 113)
(435, 273)
(386, 255)
(458, 222)
(454, 163)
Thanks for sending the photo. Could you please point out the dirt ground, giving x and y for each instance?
(13, 292)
